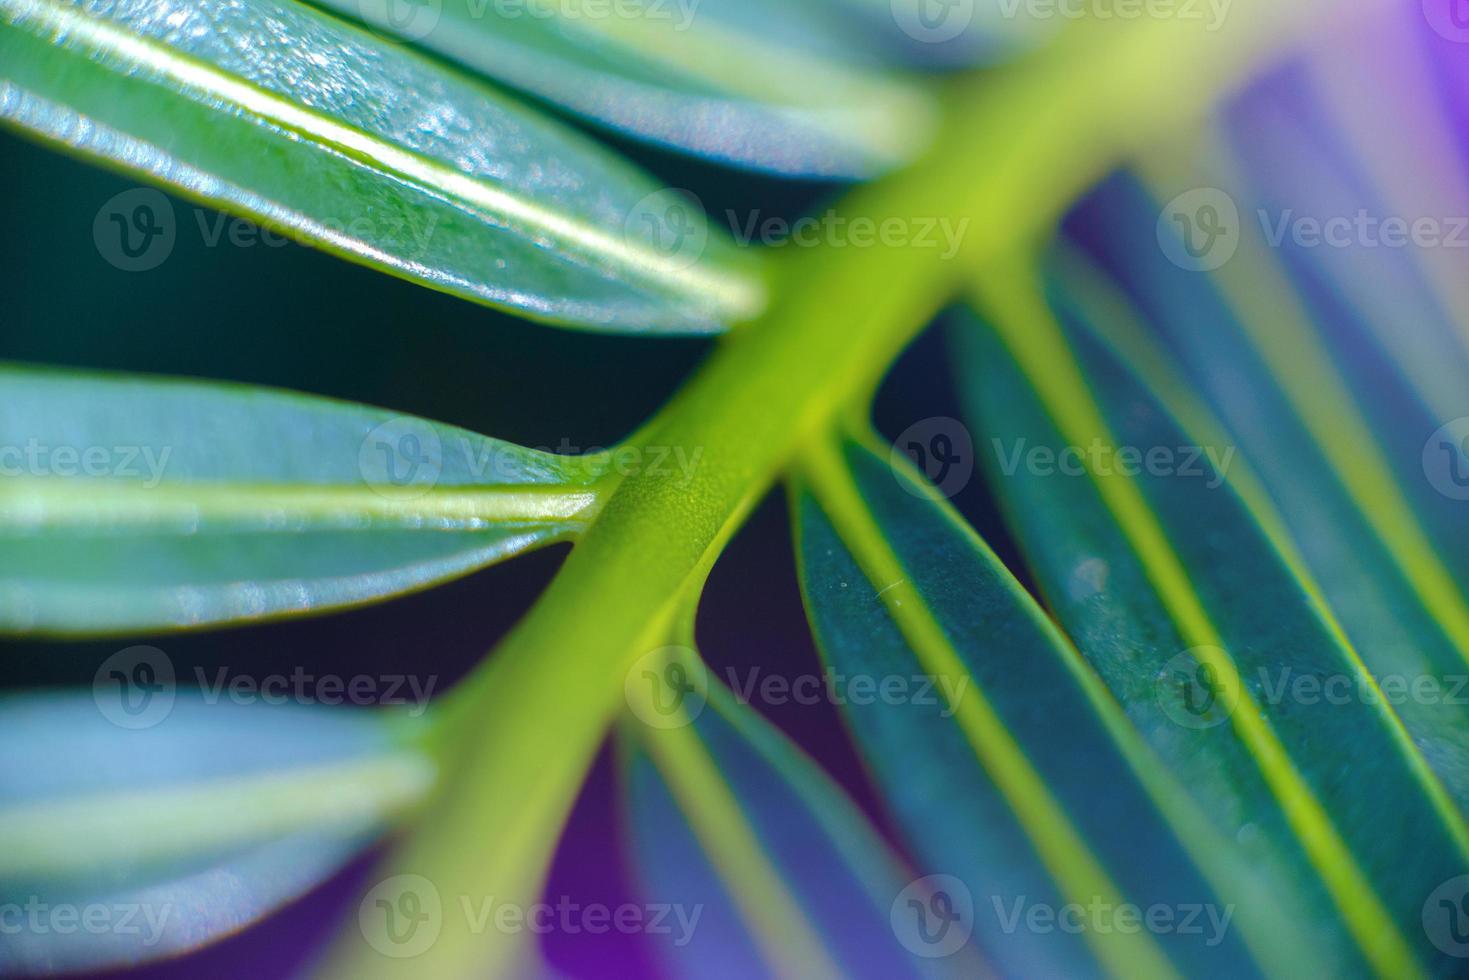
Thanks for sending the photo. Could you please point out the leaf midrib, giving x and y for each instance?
(1157, 375)
(1274, 322)
(1060, 845)
(203, 82)
(79, 834)
(31, 504)
(1034, 337)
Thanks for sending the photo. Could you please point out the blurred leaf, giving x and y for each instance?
(954, 33)
(1369, 310)
(128, 844)
(767, 84)
(1198, 619)
(1366, 519)
(1374, 281)
(320, 131)
(728, 817)
(132, 504)
(1022, 780)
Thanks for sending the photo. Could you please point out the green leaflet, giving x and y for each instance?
(1204, 630)
(1374, 311)
(1023, 782)
(1372, 282)
(760, 83)
(132, 504)
(925, 33)
(193, 819)
(727, 816)
(1394, 129)
(339, 139)
(1379, 545)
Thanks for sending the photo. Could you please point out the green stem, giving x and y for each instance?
(1017, 147)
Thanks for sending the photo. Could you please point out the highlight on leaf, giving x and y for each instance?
(327, 134)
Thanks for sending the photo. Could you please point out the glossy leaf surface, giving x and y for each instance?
(1196, 615)
(1022, 782)
(323, 132)
(138, 503)
(1331, 444)
(770, 84)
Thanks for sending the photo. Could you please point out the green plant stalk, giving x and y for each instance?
(518, 738)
